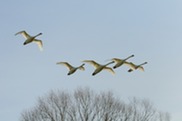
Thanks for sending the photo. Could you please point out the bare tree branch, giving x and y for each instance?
(85, 105)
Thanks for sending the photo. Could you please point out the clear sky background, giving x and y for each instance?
(75, 30)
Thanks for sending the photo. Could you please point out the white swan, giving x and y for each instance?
(30, 39)
(120, 62)
(135, 67)
(71, 68)
(99, 67)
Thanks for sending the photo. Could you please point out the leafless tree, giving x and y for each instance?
(164, 116)
(85, 105)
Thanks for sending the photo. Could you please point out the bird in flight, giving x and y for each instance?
(71, 68)
(30, 39)
(120, 62)
(134, 66)
(99, 67)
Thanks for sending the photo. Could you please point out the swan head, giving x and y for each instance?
(132, 56)
(40, 34)
(145, 63)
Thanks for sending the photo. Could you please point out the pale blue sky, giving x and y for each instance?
(75, 30)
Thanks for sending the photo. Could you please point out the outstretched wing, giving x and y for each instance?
(116, 60)
(141, 68)
(39, 43)
(109, 69)
(93, 63)
(81, 67)
(66, 64)
(24, 33)
(130, 64)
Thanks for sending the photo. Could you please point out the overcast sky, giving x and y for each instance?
(75, 30)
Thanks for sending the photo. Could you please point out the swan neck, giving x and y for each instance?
(129, 57)
(38, 35)
(143, 63)
(110, 63)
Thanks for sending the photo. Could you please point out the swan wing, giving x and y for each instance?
(116, 60)
(109, 69)
(93, 63)
(141, 68)
(81, 67)
(66, 64)
(130, 64)
(39, 43)
(24, 34)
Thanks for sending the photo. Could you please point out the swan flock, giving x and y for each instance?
(98, 67)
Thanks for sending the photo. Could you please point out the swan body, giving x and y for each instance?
(30, 39)
(135, 67)
(71, 68)
(99, 67)
(120, 62)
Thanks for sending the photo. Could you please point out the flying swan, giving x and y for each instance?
(120, 62)
(99, 67)
(71, 68)
(30, 39)
(135, 67)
